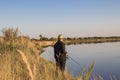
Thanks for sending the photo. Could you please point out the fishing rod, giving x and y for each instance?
(74, 60)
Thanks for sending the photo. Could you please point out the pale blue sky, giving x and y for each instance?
(71, 18)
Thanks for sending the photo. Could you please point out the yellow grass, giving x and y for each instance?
(26, 64)
(20, 60)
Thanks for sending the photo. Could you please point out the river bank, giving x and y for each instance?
(20, 60)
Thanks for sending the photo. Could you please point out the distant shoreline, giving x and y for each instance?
(85, 40)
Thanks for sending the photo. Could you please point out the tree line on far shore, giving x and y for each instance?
(43, 38)
(11, 33)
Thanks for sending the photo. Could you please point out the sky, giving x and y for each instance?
(72, 18)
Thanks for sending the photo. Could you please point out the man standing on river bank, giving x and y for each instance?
(60, 53)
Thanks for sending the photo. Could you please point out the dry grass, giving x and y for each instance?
(14, 66)
(28, 65)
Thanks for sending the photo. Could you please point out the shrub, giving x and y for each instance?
(10, 33)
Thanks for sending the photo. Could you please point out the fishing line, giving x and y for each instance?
(75, 61)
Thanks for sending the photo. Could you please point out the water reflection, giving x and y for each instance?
(89, 42)
(106, 56)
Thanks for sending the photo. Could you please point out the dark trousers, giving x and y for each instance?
(60, 63)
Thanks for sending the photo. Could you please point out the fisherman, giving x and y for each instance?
(60, 53)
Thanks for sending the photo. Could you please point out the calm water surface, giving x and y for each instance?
(105, 55)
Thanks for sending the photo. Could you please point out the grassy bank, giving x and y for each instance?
(20, 60)
(13, 65)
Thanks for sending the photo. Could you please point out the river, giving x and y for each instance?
(105, 55)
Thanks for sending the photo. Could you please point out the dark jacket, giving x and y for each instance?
(59, 49)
